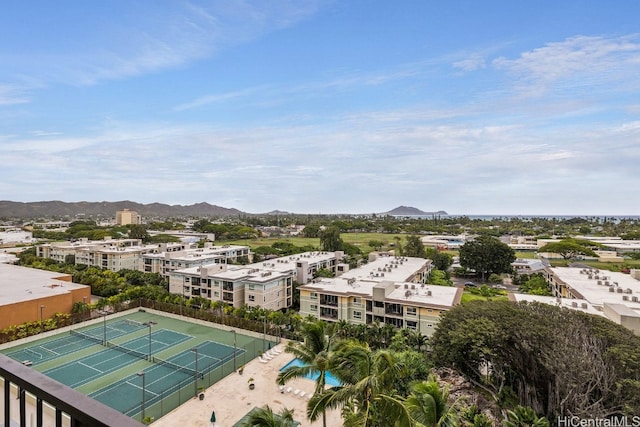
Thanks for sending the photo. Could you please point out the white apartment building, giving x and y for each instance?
(617, 295)
(389, 290)
(266, 284)
(169, 258)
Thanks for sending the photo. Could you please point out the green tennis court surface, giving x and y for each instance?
(144, 350)
(163, 376)
(72, 343)
(86, 369)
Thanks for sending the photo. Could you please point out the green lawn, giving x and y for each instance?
(468, 296)
(611, 266)
(361, 240)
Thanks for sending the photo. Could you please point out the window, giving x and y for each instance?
(412, 325)
(411, 311)
(252, 298)
(357, 315)
(313, 307)
(251, 287)
(357, 301)
(314, 295)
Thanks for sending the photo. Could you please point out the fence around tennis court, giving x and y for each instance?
(188, 389)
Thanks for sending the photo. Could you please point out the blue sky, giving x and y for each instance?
(473, 107)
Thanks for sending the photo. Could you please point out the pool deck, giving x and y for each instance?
(231, 398)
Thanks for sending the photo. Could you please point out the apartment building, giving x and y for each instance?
(266, 284)
(168, 258)
(389, 290)
(126, 217)
(617, 295)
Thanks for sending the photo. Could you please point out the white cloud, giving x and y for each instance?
(472, 63)
(169, 38)
(11, 95)
(577, 62)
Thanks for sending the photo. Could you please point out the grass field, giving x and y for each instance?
(468, 296)
(361, 240)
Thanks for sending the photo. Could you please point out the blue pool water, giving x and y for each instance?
(329, 378)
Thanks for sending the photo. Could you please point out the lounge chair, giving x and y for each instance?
(289, 389)
(295, 393)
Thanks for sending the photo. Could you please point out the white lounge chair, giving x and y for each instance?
(289, 389)
(295, 393)
(261, 360)
(302, 394)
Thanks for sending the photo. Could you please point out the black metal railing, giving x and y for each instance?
(82, 410)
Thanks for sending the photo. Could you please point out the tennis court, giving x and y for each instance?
(146, 351)
(89, 368)
(165, 375)
(70, 343)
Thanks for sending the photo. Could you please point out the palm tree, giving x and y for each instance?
(428, 405)
(523, 416)
(314, 353)
(367, 396)
(265, 417)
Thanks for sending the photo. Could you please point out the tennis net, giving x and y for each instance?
(174, 366)
(135, 353)
(86, 336)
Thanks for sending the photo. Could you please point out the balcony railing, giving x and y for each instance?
(81, 409)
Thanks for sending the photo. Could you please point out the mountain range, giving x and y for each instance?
(73, 210)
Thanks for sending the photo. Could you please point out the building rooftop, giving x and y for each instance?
(570, 303)
(391, 268)
(591, 284)
(18, 284)
(402, 292)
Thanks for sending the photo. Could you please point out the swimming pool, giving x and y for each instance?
(330, 380)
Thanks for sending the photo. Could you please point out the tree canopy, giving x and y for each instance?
(487, 255)
(569, 248)
(330, 240)
(554, 360)
(414, 247)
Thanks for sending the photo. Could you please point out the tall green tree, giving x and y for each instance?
(367, 396)
(414, 247)
(441, 260)
(265, 417)
(428, 405)
(330, 240)
(569, 248)
(487, 255)
(138, 231)
(314, 352)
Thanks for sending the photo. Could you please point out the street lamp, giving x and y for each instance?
(41, 325)
(234, 349)
(149, 324)
(195, 374)
(104, 326)
(141, 374)
(264, 335)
